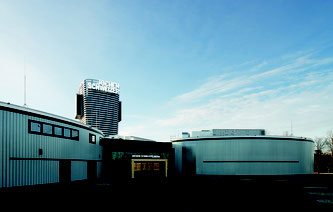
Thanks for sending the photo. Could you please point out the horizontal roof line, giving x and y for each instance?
(243, 137)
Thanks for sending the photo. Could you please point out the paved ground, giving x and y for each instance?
(198, 194)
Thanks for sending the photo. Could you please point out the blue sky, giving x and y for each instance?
(182, 65)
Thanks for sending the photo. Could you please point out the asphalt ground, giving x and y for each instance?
(182, 194)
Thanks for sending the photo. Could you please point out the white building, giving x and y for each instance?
(129, 137)
(228, 132)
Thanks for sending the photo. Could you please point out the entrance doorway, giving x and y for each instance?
(65, 171)
(92, 172)
(149, 168)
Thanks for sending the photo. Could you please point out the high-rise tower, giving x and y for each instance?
(98, 105)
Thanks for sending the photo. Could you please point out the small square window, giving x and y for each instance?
(58, 131)
(75, 134)
(47, 129)
(35, 127)
(67, 133)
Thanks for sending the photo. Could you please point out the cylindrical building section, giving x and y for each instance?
(244, 155)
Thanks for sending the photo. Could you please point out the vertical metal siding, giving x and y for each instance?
(79, 170)
(247, 156)
(1, 148)
(178, 156)
(15, 141)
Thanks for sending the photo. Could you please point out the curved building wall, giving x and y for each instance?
(29, 157)
(244, 156)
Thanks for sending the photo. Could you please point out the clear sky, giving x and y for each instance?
(181, 65)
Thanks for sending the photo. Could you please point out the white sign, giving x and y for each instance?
(106, 86)
(146, 156)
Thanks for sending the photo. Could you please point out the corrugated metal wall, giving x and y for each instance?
(244, 156)
(20, 160)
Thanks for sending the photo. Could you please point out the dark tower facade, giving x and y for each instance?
(98, 105)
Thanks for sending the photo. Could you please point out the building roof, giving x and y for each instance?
(243, 137)
(120, 145)
(40, 114)
(129, 137)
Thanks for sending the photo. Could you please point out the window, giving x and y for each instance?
(35, 127)
(58, 131)
(75, 134)
(67, 133)
(92, 138)
(47, 129)
(156, 166)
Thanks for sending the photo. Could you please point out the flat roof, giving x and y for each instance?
(120, 145)
(40, 114)
(244, 137)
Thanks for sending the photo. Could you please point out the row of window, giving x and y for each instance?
(36, 127)
(41, 128)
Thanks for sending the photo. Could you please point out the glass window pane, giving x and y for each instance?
(67, 133)
(92, 138)
(150, 166)
(137, 166)
(47, 129)
(156, 166)
(144, 167)
(58, 131)
(75, 133)
(35, 127)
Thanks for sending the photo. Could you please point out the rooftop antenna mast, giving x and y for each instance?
(25, 87)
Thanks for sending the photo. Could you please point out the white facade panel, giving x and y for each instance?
(228, 132)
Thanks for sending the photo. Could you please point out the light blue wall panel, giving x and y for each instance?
(20, 161)
(250, 156)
